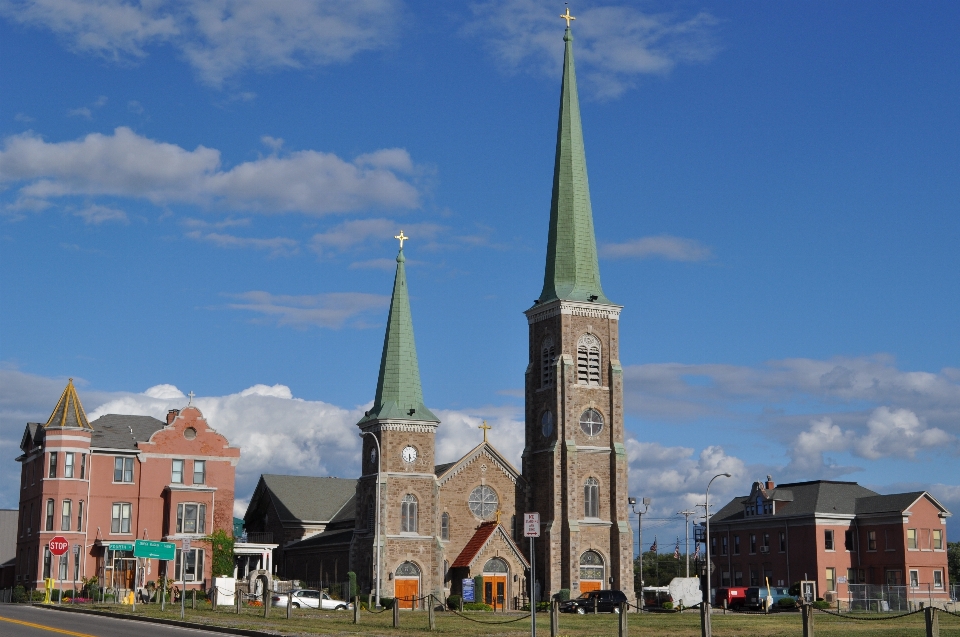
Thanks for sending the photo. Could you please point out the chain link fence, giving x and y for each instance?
(884, 599)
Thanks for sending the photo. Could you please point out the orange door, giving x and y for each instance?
(406, 591)
(589, 585)
(494, 587)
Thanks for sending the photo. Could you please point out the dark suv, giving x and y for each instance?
(606, 602)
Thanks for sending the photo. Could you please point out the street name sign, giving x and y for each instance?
(154, 550)
(59, 545)
(120, 546)
(531, 525)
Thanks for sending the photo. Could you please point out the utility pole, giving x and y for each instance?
(646, 507)
(686, 535)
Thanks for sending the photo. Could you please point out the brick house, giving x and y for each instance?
(836, 533)
(103, 484)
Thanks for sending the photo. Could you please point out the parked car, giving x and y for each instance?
(606, 602)
(735, 596)
(756, 597)
(306, 598)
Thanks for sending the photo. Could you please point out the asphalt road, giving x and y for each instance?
(30, 621)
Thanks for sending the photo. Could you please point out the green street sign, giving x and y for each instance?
(154, 550)
(120, 546)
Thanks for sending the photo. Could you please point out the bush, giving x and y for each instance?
(563, 595)
(787, 602)
(667, 606)
(477, 606)
(386, 602)
(795, 589)
(19, 595)
(221, 545)
(822, 605)
(453, 602)
(354, 589)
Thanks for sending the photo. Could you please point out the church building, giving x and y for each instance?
(441, 524)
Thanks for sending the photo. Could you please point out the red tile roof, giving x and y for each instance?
(469, 552)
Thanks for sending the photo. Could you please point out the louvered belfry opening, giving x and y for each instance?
(588, 360)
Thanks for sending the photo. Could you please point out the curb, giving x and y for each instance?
(159, 620)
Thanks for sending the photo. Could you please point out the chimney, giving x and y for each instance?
(173, 413)
(770, 483)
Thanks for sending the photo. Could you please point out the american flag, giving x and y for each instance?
(696, 554)
(653, 547)
(676, 551)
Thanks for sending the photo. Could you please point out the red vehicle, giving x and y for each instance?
(735, 597)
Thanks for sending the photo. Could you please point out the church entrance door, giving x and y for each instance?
(407, 592)
(494, 590)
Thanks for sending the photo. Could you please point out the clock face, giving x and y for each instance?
(546, 424)
(409, 453)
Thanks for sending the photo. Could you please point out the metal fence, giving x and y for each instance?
(955, 592)
(881, 599)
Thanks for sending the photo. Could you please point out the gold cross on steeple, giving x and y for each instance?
(485, 428)
(402, 238)
(566, 16)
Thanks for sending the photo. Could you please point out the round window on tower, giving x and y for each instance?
(546, 424)
(591, 422)
(483, 501)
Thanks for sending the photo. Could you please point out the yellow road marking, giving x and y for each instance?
(42, 627)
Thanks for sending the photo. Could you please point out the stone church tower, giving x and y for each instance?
(405, 430)
(574, 458)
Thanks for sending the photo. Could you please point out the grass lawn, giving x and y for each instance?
(312, 622)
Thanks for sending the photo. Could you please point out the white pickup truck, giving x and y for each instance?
(306, 598)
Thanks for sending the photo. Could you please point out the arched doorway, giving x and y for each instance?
(591, 572)
(495, 576)
(407, 585)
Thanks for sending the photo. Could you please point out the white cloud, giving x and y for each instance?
(83, 112)
(219, 38)
(614, 44)
(96, 215)
(23, 118)
(664, 247)
(126, 164)
(319, 310)
(278, 246)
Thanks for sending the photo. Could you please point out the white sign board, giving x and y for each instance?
(186, 544)
(531, 525)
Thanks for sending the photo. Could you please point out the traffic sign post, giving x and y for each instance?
(150, 550)
(531, 529)
(183, 577)
(59, 546)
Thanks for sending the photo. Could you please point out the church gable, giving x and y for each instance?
(486, 454)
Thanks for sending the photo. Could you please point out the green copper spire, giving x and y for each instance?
(399, 394)
(572, 272)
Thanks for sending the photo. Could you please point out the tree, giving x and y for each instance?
(953, 562)
(222, 547)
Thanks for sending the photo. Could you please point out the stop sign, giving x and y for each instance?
(59, 545)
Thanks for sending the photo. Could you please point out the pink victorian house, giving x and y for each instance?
(103, 484)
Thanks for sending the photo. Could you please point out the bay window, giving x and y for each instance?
(191, 517)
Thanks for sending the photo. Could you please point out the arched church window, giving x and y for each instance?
(496, 565)
(371, 517)
(546, 424)
(445, 526)
(591, 498)
(591, 566)
(591, 422)
(408, 514)
(588, 360)
(548, 356)
(408, 569)
(483, 501)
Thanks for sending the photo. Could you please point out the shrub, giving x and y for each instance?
(667, 606)
(453, 602)
(795, 589)
(563, 595)
(477, 606)
(222, 547)
(386, 602)
(354, 589)
(19, 595)
(822, 605)
(787, 602)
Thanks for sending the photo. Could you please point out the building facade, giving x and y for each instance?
(103, 484)
(835, 533)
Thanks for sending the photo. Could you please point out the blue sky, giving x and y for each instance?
(202, 196)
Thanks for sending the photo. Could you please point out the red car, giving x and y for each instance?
(735, 597)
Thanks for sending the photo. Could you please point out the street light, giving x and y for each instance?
(707, 625)
(646, 506)
(377, 517)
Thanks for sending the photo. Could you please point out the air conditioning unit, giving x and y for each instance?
(764, 549)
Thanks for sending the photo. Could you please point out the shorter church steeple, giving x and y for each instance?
(68, 412)
(399, 393)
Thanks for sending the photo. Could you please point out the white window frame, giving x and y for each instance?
(914, 578)
(51, 512)
(914, 540)
(80, 516)
(52, 472)
(936, 539)
(409, 514)
(199, 519)
(123, 465)
(445, 526)
(829, 540)
(68, 464)
(197, 556)
(937, 578)
(202, 473)
(121, 514)
(591, 498)
(66, 514)
(176, 470)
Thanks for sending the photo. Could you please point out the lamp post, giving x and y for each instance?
(707, 625)
(377, 517)
(646, 507)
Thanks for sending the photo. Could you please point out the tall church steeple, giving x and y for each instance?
(572, 272)
(399, 393)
